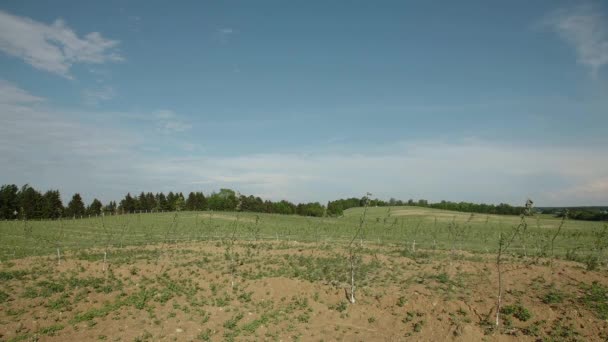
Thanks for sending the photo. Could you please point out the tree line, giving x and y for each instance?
(579, 213)
(28, 203)
(337, 207)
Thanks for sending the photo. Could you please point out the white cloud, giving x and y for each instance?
(55, 47)
(93, 97)
(473, 170)
(52, 148)
(586, 29)
(10, 93)
(594, 191)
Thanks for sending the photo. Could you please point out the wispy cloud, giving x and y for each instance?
(93, 97)
(472, 170)
(168, 122)
(585, 28)
(55, 47)
(10, 93)
(223, 34)
(107, 158)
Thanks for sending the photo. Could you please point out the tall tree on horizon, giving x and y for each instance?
(76, 206)
(9, 201)
(95, 207)
(30, 202)
(52, 207)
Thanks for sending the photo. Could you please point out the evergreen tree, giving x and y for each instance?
(201, 201)
(110, 209)
(161, 202)
(76, 206)
(142, 202)
(127, 205)
(52, 207)
(9, 201)
(171, 198)
(30, 202)
(150, 201)
(95, 207)
(191, 202)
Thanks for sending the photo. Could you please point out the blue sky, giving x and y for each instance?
(473, 100)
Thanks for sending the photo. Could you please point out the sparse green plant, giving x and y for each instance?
(559, 229)
(504, 242)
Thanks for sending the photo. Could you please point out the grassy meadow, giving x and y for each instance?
(428, 228)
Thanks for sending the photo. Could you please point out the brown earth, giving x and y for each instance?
(292, 291)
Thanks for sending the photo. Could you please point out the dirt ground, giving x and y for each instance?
(293, 291)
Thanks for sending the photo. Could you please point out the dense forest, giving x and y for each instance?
(28, 203)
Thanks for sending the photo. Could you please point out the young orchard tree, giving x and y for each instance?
(353, 250)
(504, 241)
(559, 229)
(600, 244)
(108, 241)
(230, 254)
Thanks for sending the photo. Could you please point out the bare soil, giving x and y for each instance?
(289, 291)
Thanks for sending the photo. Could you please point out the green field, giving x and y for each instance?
(414, 227)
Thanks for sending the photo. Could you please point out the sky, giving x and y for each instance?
(481, 101)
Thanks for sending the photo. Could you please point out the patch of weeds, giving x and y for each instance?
(533, 329)
(223, 301)
(60, 304)
(595, 299)
(9, 275)
(245, 297)
(51, 330)
(303, 318)
(418, 326)
(21, 338)
(3, 296)
(487, 327)
(518, 311)
(91, 314)
(561, 332)
(146, 336)
(47, 288)
(442, 278)
(553, 297)
(13, 312)
(29, 292)
(164, 296)
(205, 335)
(371, 320)
(401, 301)
(418, 256)
(139, 299)
(340, 307)
(409, 316)
(592, 263)
(252, 326)
(233, 321)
